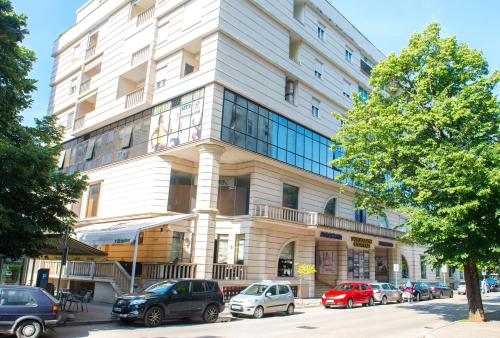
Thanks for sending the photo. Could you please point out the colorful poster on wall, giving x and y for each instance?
(173, 124)
(327, 262)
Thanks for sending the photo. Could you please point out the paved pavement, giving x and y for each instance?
(435, 319)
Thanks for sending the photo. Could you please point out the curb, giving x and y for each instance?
(89, 322)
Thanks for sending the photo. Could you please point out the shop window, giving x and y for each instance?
(234, 194)
(360, 215)
(358, 264)
(423, 267)
(286, 260)
(405, 272)
(182, 192)
(221, 248)
(240, 249)
(290, 196)
(177, 247)
(330, 207)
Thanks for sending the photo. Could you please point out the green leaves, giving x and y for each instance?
(426, 142)
(33, 195)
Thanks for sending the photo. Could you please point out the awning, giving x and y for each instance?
(55, 246)
(123, 232)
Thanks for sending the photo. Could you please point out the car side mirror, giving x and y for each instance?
(269, 294)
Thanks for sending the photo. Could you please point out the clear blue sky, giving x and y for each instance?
(387, 23)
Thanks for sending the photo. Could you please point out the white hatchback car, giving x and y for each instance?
(262, 298)
(461, 290)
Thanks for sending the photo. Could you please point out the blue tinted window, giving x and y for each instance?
(315, 151)
(282, 136)
(308, 148)
(291, 141)
(299, 149)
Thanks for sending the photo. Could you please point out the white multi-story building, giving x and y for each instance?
(204, 128)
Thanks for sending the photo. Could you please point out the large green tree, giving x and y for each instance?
(427, 142)
(33, 195)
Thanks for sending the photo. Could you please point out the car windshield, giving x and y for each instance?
(343, 287)
(375, 287)
(159, 288)
(255, 290)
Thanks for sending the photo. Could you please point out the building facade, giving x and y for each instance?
(204, 126)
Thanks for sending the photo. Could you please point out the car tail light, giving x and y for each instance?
(55, 309)
(220, 294)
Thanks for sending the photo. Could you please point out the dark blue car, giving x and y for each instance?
(27, 311)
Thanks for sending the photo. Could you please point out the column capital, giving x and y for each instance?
(210, 148)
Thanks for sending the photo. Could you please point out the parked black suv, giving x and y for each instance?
(170, 300)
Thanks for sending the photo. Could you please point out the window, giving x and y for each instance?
(290, 91)
(16, 298)
(405, 272)
(234, 195)
(348, 55)
(240, 249)
(360, 215)
(386, 287)
(315, 107)
(363, 93)
(76, 51)
(191, 62)
(294, 48)
(290, 196)
(366, 65)
(69, 120)
(222, 248)
(286, 260)
(451, 271)
(383, 222)
(321, 31)
(298, 9)
(181, 289)
(125, 135)
(176, 251)
(318, 69)
(273, 290)
(72, 86)
(358, 264)
(330, 206)
(283, 289)
(364, 287)
(89, 153)
(438, 272)
(423, 268)
(199, 286)
(93, 199)
(161, 77)
(182, 192)
(346, 88)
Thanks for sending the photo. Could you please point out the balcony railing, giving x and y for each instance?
(229, 272)
(140, 56)
(145, 16)
(79, 123)
(84, 86)
(365, 68)
(134, 98)
(315, 219)
(168, 270)
(90, 52)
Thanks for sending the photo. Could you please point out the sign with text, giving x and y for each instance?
(386, 244)
(330, 235)
(396, 268)
(361, 242)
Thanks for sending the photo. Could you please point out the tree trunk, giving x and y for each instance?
(476, 311)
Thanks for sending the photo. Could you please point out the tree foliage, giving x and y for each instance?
(426, 143)
(33, 195)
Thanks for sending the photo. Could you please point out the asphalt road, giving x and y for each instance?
(394, 320)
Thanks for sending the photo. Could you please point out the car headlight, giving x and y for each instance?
(324, 296)
(137, 301)
(339, 297)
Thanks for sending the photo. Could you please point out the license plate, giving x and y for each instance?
(330, 301)
(117, 309)
(236, 307)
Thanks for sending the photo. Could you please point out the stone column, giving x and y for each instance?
(371, 260)
(342, 262)
(206, 208)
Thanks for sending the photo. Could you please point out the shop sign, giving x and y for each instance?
(330, 235)
(386, 244)
(361, 242)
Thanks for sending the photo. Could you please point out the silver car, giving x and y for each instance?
(262, 298)
(386, 292)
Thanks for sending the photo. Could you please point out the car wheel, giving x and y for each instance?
(371, 301)
(290, 309)
(259, 312)
(211, 314)
(417, 297)
(349, 303)
(153, 317)
(29, 329)
(384, 300)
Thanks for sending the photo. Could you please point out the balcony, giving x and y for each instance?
(139, 57)
(134, 98)
(145, 16)
(319, 219)
(84, 86)
(365, 68)
(79, 123)
(90, 52)
(168, 270)
(229, 272)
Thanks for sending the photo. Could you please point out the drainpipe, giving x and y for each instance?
(134, 262)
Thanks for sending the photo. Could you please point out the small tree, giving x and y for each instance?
(426, 142)
(304, 270)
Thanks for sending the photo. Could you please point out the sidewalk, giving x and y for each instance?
(465, 329)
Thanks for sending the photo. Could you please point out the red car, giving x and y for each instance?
(348, 294)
